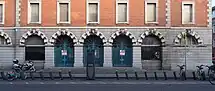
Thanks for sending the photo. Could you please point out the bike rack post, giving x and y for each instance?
(117, 75)
(22, 75)
(146, 75)
(41, 75)
(185, 77)
(126, 75)
(51, 76)
(32, 75)
(3, 76)
(203, 75)
(194, 75)
(60, 75)
(165, 77)
(174, 73)
(136, 75)
(70, 75)
(155, 73)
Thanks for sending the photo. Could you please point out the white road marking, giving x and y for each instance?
(26, 83)
(102, 82)
(56, 82)
(41, 83)
(11, 82)
(72, 82)
(86, 82)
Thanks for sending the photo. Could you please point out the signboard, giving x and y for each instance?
(122, 52)
(64, 52)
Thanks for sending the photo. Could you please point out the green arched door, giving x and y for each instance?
(95, 44)
(64, 52)
(122, 52)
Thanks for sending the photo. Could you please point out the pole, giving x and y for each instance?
(185, 52)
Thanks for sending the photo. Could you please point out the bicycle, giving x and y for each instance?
(182, 72)
(200, 73)
(212, 74)
(208, 69)
(15, 74)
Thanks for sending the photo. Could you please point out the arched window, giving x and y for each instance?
(35, 49)
(188, 40)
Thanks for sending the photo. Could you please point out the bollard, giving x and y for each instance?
(70, 75)
(41, 75)
(194, 75)
(126, 75)
(32, 75)
(117, 75)
(22, 76)
(146, 75)
(3, 76)
(51, 76)
(185, 78)
(165, 77)
(60, 75)
(137, 78)
(174, 73)
(155, 73)
(203, 75)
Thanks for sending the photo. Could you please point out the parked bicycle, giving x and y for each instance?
(19, 70)
(200, 73)
(182, 72)
(208, 69)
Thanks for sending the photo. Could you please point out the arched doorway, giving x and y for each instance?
(151, 53)
(122, 51)
(35, 50)
(64, 52)
(94, 44)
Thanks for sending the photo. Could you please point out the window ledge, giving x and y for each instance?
(122, 23)
(191, 23)
(151, 22)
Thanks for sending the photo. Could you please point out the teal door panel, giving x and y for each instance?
(122, 52)
(64, 53)
(95, 44)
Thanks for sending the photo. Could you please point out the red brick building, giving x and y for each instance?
(146, 34)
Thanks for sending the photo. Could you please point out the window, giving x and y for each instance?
(34, 45)
(63, 12)
(34, 14)
(213, 14)
(93, 13)
(189, 40)
(151, 12)
(151, 49)
(122, 13)
(2, 41)
(1, 12)
(187, 13)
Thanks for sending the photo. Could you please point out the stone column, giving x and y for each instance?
(108, 56)
(78, 56)
(137, 57)
(49, 57)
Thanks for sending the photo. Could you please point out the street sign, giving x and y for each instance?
(122, 52)
(64, 52)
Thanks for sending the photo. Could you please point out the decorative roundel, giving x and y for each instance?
(63, 32)
(33, 32)
(190, 32)
(92, 32)
(122, 31)
(152, 32)
(6, 37)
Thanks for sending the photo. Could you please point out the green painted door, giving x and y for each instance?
(64, 53)
(95, 44)
(122, 52)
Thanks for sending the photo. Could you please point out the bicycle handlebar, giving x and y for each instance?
(200, 67)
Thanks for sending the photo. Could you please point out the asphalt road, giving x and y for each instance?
(105, 85)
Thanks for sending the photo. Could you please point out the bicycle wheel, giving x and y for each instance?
(10, 77)
(211, 77)
(198, 76)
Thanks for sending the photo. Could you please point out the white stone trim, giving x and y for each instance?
(18, 12)
(209, 10)
(92, 32)
(192, 33)
(87, 11)
(122, 1)
(63, 32)
(29, 11)
(3, 7)
(58, 10)
(6, 37)
(157, 7)
(154, 32)
(193, 7)
(168, 13)
(33, 32)
(122, 31)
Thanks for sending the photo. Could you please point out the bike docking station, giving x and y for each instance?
(90, 69)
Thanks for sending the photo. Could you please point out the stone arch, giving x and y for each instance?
(122, 31)
(6, 37)
(33, 32)
(63, 32)
(152, 32)
(195, 35)
(92, 32)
